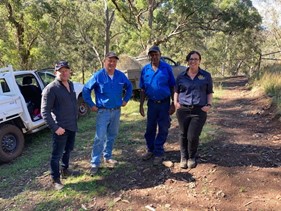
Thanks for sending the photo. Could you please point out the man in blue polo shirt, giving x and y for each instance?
(157, 84)
(108, 85)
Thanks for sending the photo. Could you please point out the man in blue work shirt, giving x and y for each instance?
(108, 84)
(157, 84)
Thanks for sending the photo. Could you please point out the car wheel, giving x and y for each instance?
(11, 142)
(83, 108)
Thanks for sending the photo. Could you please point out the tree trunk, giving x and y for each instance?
(150, 18)
(108, 22)
(24, 53)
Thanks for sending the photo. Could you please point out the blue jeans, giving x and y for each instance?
(62, 146)
(157, 115)
(107, 127)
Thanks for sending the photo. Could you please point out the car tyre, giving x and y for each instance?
(83, 108)
(11, 142)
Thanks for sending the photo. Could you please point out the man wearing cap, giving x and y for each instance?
(59, 110)
(157, 85)
(108, 84)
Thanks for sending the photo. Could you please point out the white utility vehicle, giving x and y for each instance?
(20, 100)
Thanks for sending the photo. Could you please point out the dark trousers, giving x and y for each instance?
(191, 122)
(62, 146)
(157, 115)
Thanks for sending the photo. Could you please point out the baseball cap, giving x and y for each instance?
(61, 64)
(111, 54)
(154, 48)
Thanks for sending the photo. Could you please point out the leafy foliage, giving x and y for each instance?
(35, 34)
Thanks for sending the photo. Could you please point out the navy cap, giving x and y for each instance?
(154, 48)
(111, 54)
(61, 64)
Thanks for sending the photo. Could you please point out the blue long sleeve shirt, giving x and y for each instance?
(108, 92)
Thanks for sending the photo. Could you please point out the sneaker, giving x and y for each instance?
(183, 163)
(94, 171)
(57, 184)
(67, 173)
(110, 161)
(147, 156)
(158, 160)
(191, 163)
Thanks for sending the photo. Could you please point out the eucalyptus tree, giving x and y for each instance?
(32, 32)
(183, 25)
(85, 42)
(37, 33)
(271, 50)
(18, 37)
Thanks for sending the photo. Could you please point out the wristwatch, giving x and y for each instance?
(208, 104)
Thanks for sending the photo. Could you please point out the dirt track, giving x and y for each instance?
(239, 166)
(240, 169)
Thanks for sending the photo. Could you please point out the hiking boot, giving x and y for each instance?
(183, 163)
(94, 171)
(158, 160)
(191, 163)
(67, 173)
(147, 156)
(57, 184)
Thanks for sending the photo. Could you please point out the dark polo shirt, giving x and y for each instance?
(194, 91)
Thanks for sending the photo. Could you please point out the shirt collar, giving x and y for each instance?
(161, 63)
(199, 71)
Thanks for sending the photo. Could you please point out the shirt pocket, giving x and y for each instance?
(118, 88)
(102, 88)
(162, 78)
(146, 79)
(120, 85)
(203, 86)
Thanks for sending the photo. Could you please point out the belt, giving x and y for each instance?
(191, 106)
(111, 109)
(161, 101)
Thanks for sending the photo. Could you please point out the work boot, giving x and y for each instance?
(94, 171)
(147, 156)
(158, 160)
(67, 173)
(57, 184)
(183, 163)
(191, 163)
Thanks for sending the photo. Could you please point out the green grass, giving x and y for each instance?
(270, 82)
(34, 163)
(36, 153)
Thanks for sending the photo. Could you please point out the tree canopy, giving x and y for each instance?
(35, 33)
